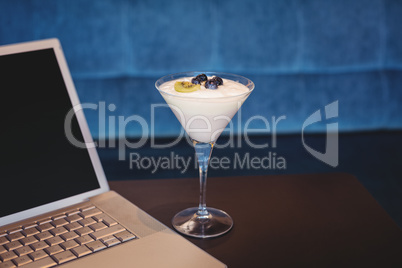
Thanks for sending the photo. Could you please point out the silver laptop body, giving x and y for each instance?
(44, 176)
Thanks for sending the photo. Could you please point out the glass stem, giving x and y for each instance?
(203, 152)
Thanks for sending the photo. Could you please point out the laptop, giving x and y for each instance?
(56, 206)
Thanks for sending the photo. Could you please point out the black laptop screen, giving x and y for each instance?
(38, 164)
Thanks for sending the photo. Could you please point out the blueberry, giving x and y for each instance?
(211, 84)
(202, 77)
(196, 81)
(218, 80)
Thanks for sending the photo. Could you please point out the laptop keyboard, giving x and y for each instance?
(61, 238)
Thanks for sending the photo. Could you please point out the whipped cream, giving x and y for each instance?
(228, 89)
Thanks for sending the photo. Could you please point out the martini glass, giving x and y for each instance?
(204, 119)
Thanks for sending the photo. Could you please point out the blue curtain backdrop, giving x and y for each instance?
(302, 55)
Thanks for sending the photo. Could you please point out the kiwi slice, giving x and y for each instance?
(185, 87)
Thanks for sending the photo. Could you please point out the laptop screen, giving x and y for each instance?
(38, 163)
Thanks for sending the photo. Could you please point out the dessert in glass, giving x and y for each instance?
(204, 103)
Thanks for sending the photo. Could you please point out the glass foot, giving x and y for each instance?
(215, 223)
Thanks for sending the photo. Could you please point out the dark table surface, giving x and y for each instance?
(317, 220)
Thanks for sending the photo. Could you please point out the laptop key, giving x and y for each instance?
(37, 255)
(87, 221)
(84, 230)
(73, 218)
(22, 260)
(45, 226)
(39, 245)
(90, 213)
(73, 226)
(81, 251)
(3, 240)
(60, 222)
(58, 231)
(30, 231)
(59, 216)
(8, 256)
(96, 246)
(63, 257)
(43, 221)
(42, 263)
(108, 231)
(29, 225)
(73, 212)
(98, 226)
(43, 236)
(69, 244)
(109, 221)
(125, 236)
(15, 236)
(13, 245)
(54, 240)
(84, 239)
(69, 236)
(23, 251)
(14, 230)
(107, 238)
(53, 250)
(87, 208)
(112, 242)
(7, 264)
(28, 240)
